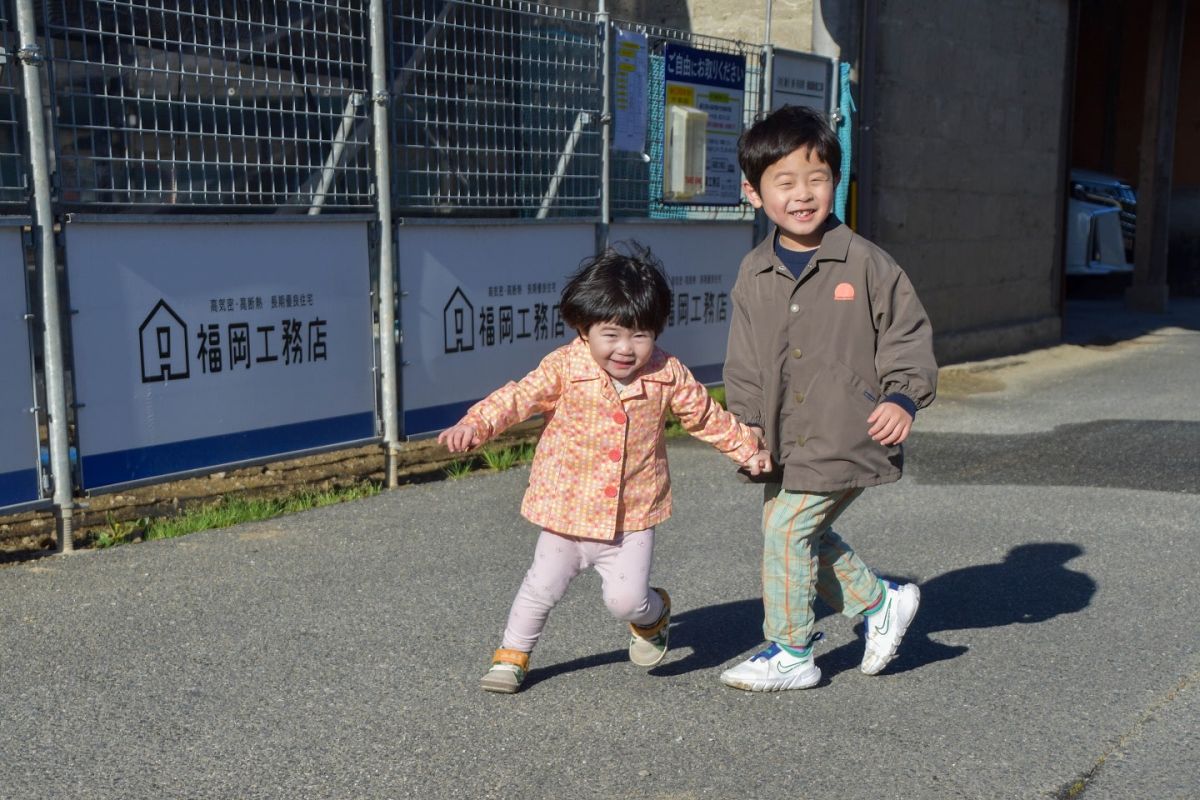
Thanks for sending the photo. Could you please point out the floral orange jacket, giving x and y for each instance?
(600, 467)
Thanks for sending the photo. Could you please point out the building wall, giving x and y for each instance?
(1108, 116)
(743, 20)
(965, 143)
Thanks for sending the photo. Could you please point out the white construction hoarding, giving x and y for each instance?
(204, 343)
(18, 427)
(479, 303)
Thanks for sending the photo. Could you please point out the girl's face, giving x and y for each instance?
(620, 351)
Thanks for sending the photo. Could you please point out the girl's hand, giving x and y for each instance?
(759, 463)
(459, 438)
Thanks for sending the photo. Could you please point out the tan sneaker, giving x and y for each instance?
(507, 673)
(648, 644)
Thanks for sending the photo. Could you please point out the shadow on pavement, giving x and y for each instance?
(713, 634)
(1032, 584)
(1159, 455)
(1094, 321)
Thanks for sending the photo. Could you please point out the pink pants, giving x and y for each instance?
(624, 567)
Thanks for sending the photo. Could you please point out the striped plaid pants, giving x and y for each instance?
(803, 558)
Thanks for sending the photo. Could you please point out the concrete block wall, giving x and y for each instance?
(965, 144)
(965, 148)
(740, 20)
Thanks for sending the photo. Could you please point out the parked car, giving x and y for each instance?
(1101, 223)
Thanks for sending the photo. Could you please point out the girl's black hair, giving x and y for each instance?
(783, 132)
(629, 289)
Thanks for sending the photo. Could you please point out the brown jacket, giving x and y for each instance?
(810, 358)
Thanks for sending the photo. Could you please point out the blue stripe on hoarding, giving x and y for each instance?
(708, 373)
(436, 418)
(20, 486)
(123, 466)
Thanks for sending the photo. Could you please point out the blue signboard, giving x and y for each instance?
(713, 84)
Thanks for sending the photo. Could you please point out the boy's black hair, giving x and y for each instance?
(782, 133)
(629, 289)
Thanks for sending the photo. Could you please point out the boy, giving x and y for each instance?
(830, 356)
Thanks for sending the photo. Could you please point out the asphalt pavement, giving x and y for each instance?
(1051, 522)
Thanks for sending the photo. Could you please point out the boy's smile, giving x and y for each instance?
(619, 351)
(796, 193)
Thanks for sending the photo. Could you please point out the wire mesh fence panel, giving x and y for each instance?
(496, 109)
(637, 179)
(12, 161)
(206, 103)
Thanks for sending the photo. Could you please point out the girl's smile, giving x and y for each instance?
(619, 351)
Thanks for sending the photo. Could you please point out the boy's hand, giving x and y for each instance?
(459, 438)
(890, 424)
(759, 463)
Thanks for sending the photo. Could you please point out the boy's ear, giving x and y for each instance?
(751, 194)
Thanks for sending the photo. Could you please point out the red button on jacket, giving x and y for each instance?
(615, 455)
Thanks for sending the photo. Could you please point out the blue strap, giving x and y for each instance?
(846, 109)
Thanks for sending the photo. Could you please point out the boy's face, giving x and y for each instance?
(620, 351)
(796, 193)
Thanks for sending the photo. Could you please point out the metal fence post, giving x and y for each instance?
(381, 105)
(606, 123)
(766, 93)
(31, 59)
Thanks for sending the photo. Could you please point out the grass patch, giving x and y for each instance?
(502, 458)
(229, 510)
(493, 458)
(459, 469)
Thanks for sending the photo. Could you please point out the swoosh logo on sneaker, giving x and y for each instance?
(786, 668)
(887, 619)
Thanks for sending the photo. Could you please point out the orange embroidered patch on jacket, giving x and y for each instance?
(843, 291)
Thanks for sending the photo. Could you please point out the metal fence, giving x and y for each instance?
(477, 109)
(214, 103)
(202, 105)
(12, 163)
(496, 109)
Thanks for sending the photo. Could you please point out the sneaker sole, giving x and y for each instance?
(903, 628)
(499, 687)
(657, 658)
(805, 681)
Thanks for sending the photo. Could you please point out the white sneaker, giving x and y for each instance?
(886, 627)
(774, 670)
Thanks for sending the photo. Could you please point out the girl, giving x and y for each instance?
(599, 481)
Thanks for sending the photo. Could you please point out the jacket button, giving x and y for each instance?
(799, 397)
(610, 491)
(620, 418)
(797, 353)
(800, 440)
(794, 307)
(615, 455)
